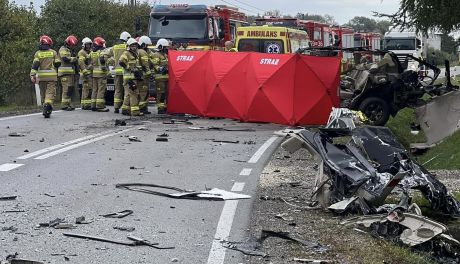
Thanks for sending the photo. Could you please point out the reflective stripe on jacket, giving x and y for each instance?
(132, 62)
(67, 62)
(43, 65)
(98, 70)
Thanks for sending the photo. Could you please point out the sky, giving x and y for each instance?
(341, 10)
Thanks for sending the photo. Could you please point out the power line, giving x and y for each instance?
(239, 7)
(256, 8)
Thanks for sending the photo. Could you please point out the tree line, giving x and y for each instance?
(21, 27)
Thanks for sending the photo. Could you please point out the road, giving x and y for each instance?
(67, 167)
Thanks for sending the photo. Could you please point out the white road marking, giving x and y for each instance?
(245, 172)
(255, 158)
(238, 186)
(9, 166)
(19, 116)
(59, 151)
(217, 252)
(41, 151)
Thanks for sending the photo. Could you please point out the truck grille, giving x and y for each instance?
(404, 60)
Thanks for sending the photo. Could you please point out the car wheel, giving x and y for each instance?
(376, 110)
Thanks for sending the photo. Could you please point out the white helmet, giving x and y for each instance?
(125, 36)
(86, 41)
(131, 41)
(162, 43)
(145, 40)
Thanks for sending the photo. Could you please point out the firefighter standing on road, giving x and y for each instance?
(132, 75)
(84, 63)
(44, 70)
(100, 71)
(160, 62)
(67, 70)
(114, 53)
(146, 57)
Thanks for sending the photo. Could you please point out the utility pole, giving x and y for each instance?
(132, 3)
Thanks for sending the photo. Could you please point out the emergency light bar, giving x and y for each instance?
(178, 6)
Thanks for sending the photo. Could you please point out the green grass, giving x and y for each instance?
(5, 109)
(445, 155)
(400, 126)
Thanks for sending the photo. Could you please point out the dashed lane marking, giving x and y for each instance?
(62, 150)
(245, 172)
(19, 116)
(9, 166)
(217, 252)
(255, 158)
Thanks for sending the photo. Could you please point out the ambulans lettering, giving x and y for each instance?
(185, 58)
(262, 34)
(269, 61)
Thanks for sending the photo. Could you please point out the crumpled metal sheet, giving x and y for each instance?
(428, 116)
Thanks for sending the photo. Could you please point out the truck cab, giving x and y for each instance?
(403, 43)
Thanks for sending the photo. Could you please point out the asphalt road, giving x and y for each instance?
(67, 167)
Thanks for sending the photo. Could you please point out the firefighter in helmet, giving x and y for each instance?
(44, 71)
(114, 54)
(99, 76)
(146, 57)
(160, 64)
(132, 76)
(67, 71)
(84, 63)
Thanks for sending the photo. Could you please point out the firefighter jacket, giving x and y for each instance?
(99, 64)
(160, 63)
(145, 62)
(84, 63)
(69, 62)
(114, 53)
(131, 64)
(44, 65)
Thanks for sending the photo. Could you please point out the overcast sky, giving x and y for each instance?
(342, 10)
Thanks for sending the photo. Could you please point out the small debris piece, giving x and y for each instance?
(134, 139)
(64, 226)
(49, 195)
(13, 211)
(285, 217)
(250, 142)
(124, 228)
(196, 128)
(174, 260)
(26, 150)
(163, 135)
(82, 221)
(136, 168)
(119, 122)
(10, 228)
(142, 128)
(42, 140)
(318, 261)
(16, 134)
(52, 223)
(162, 139)
(226, 141)
(121, 214)
(8, 198)
(134, 241)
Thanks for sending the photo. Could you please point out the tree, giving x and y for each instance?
(448, 44)
(362, 24)
(426, 15)
(328, 19)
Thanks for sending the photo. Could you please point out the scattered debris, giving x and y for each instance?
(65, 226)
(163, 135)
(42, 140)
(121, 214)
(136, 168)
(226, 141)
(8, 198)
(213, 194)
(134, 241)
(162, 139)
(10, 228)
(82, 221)
(26, 150)
(13, 211)
(119, 122)
(52, 223)
(232, 129)
(124, 228)
(16, 134)
(177, 121)
(142, 128)
(49, 195)
(250, 142)
(315, 261)
(285, 217)
(134, 139)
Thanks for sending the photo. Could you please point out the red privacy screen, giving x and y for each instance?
(289, 89)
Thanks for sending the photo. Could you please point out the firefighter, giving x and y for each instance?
(99, 76)
(67, 71)
(160, 64)
(229, 46)
(84, 63)
(44, 71)
(132, 75)
(146, 57)
(114, 53)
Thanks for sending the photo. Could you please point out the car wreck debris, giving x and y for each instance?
(124, 228)
(213, 194)
(121, 214)
(8, 198)
(52, 223)
(135, 241)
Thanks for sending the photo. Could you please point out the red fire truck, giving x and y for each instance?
(195, 27)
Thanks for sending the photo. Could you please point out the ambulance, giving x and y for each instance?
(268, 39)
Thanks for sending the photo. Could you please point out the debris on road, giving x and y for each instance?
(136, 168)
(314, 261)
(119, 122)
(213, 194)
(163, 135)
(124, 228)
(8, 198)
(42, 140)
(16, 134)
(52, 223)
(49, 195)
(142, 128)
(134, 139)
(162, 139)
(81, 220)
(135, 241)
(10, 228)
(177, 121)
(250, 142)
(226, 141)
(121, 214)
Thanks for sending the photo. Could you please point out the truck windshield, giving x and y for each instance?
(178, 27)
(399, 44)
(261, 45)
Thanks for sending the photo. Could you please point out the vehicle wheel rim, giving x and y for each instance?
(374, 111)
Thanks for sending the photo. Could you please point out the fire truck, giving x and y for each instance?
(195, 27)
(369, 41)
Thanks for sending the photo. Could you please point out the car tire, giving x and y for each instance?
(376, 110)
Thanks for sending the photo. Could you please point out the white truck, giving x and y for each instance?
(403, 43)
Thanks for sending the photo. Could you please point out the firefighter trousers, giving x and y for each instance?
(98, 93)
(162, 93)
(86, 93)
(47, 92)
(131, 99)
(68, 86)
(144, 95)
(119, 92)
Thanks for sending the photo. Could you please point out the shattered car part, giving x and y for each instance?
(121, 214)
(124, 228)
(213, 194)
(52, 223)
(8, 198)
(135, 241)
(344, 118)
